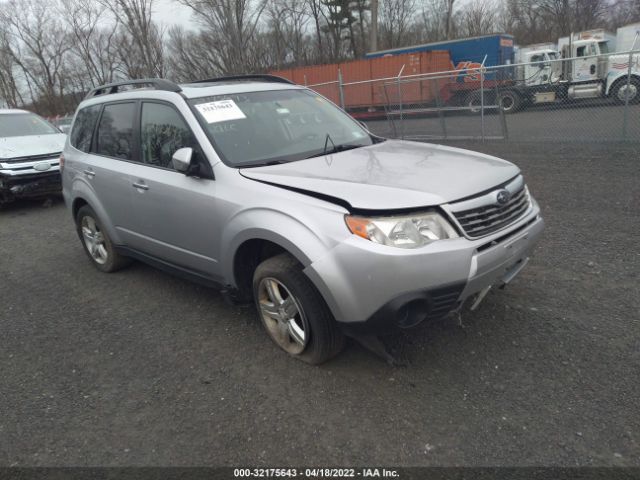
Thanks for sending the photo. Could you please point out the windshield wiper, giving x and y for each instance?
(335, 148)
(261, 164)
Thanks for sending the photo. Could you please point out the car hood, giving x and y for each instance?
(31, 145)
(391, 175)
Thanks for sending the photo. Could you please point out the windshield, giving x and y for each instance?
(553, 55)
(256, 128)
(23, 124)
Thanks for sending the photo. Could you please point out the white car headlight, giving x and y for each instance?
(406, 231)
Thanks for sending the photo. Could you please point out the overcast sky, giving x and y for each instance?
(171, 12)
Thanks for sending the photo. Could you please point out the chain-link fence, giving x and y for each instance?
(588, 97)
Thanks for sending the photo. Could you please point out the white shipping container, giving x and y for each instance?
(625, 37)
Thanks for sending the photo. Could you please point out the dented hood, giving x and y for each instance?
(32, 145)
(391, 175)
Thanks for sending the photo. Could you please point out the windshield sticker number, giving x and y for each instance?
(220, 111)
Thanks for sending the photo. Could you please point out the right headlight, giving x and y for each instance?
(406, 231)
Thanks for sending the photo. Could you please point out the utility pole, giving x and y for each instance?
(373, 40)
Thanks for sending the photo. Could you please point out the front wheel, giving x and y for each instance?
(293, 312)
(623, 90)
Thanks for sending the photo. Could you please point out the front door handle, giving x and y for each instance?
(141, 186)
(90, 173)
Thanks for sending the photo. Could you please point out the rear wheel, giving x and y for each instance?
(97, 243)
(293, 312)
(622, 90)
(509, 101)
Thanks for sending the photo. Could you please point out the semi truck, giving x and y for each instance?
(582, 65)
(542, 73)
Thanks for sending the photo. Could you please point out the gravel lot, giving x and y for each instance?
(140, 368)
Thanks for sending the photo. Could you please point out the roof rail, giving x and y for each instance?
(156, 83)
(258, 76)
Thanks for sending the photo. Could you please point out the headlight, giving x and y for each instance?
(410, 231)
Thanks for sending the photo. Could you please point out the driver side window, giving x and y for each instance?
(162, 133)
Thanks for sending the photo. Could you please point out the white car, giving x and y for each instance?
(30, 150)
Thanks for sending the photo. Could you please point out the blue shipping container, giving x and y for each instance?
(498, 49)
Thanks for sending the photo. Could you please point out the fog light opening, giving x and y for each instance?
(412, 313)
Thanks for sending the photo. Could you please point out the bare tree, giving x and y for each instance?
(438, 22)
(9, 91)
(139, 41)
(192, 56)
(232, 26)
(449, 20)
(287, 23)
(38, 45)
(395, 22)
(94, 46)
(478, 18)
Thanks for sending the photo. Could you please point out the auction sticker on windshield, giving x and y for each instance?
(220, 111)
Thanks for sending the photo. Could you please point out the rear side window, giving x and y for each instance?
(115, 132)
(83, 127)
(162, 133)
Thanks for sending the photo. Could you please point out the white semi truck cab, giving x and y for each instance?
(592, 73)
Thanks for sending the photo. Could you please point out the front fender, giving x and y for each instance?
(274, 226)
(613, 77)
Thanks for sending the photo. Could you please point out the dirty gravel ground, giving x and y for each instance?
(141, 368)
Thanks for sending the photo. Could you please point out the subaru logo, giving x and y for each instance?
(502, 196)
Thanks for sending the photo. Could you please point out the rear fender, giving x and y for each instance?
(82, 190)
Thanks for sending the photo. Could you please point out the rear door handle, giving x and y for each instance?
(141, 186)
(90, 173)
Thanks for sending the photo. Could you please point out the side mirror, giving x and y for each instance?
(182, 159)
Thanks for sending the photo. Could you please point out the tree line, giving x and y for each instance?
(52, 53)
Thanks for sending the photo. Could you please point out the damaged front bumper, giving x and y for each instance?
(29, 185)
(30, 177)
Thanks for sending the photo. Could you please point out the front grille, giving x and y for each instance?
(33, 158)
(481, 221)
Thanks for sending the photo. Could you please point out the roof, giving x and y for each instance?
(4, 111)
(195, 90)
(202, 88)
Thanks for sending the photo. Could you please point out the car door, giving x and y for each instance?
(175, 212)
(106, 167)
(586, 64)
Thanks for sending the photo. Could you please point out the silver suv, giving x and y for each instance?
(272, 193)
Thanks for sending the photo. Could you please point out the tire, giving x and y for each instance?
(95, 239)
(619, 88)
(293, 312)
(510, 101)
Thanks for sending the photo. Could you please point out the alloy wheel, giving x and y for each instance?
(282, 316)
(94, 240)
